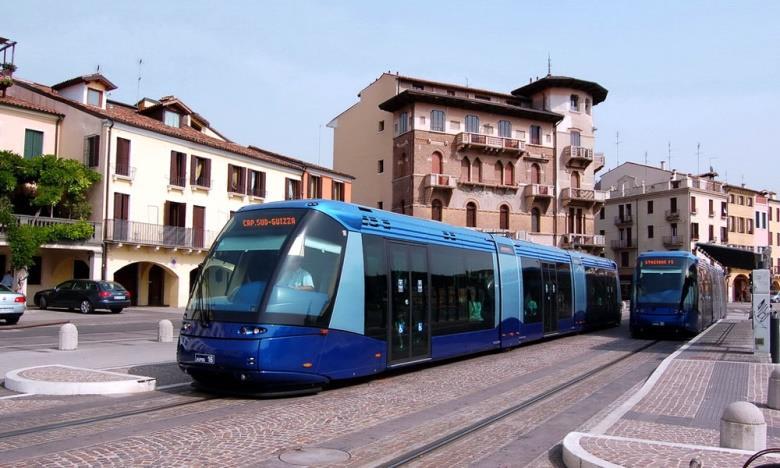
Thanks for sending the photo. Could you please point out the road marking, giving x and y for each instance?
(42, 345)
(16, 396)
(165, 387)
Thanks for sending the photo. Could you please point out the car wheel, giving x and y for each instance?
(43, 303)
(85, 307)
(116, 310)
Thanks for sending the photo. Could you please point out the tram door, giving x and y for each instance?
(409, 319)
(550, 310)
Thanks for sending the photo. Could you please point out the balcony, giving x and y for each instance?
(26, 220)
(672, 215)
(123, 173)
(673, 241)
(537, 157)
(583, 197)
(158, 235)
(488, 143)
(618, 244)
(598, 162)
(582, 241)
(577, 156)
(626, 219)
(538, 192)
(439, 181)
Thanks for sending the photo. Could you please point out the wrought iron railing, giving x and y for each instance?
(41, 221)
(132, 232)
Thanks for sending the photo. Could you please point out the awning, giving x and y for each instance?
(732, 257)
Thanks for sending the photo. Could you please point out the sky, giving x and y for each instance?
(273, 74)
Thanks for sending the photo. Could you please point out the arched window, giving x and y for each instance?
(476, 170)
(499, 175)
(471, 214)
(402, 165)
(536, 220)
(575, 180)
(503, 218)
(436, 210)
(536, 174)
(465, 170)
(509, 174)
(437, 163)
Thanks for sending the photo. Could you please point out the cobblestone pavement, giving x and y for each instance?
(373, 420)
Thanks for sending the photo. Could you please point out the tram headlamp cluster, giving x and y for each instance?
(248, 331)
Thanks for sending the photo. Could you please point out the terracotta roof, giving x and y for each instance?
(453, 86)
(86, 79)
(306, 165)
(129, 115)
(22, 104)
(598, 92)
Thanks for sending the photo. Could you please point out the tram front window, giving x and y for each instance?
(660, 280)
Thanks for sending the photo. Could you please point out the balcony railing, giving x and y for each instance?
(26, 220)
(672, 215)
(131, 232)
(177, 181)
(673, 241)
(584, 196)
(577, 156)
(623, 243)
(582, 240)
(625, 219)
(124, 172)
(598, 161)
(440, 181)
(489, 143)
(538, 190)
(626, 190)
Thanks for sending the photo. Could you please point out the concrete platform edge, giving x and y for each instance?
(131, 384)
(574, 456)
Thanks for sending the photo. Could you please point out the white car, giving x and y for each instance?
(12, 305)
(775, 297)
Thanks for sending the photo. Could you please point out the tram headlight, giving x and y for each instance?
(249, 331)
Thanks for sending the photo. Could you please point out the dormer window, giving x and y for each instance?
(172, 119)
(94, 97)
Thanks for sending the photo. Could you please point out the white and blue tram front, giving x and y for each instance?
(665, 293)
(260, 309)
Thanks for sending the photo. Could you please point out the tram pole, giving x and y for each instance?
(774, 337)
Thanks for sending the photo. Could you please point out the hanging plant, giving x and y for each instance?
(9, 67)
(6, 81)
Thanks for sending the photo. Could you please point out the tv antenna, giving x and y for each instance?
(138, 82)
(549, 65)
(617, 147)
(669, 154)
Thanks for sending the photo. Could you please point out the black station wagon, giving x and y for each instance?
(85, 295)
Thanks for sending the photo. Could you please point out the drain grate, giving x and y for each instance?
(313, 456)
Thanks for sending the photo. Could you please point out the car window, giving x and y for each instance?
(4, 288)
(65, 285)
(111, 285)
(90, 286)
(78, 285)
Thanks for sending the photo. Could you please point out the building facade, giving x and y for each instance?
(519, 163)
(170, 181)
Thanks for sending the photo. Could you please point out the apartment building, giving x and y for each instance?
(170, 181)
(652, 208)
(519, 163)
(748, 229)
(773, 211)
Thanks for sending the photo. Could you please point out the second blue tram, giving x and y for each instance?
(676, 291)
(302, 293)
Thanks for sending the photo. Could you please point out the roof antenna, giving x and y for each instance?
(645, 158)
(669, 153)
(467, 81)
(98, 69)
(138, 84)
(617, 147)
(549, 65)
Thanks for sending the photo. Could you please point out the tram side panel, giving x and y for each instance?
(510, 292)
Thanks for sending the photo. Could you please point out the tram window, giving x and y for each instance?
(564, 291)
(597, 295)
(375, 287)
(532, 290)
(462, 290)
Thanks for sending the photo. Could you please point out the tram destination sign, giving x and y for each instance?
(661, 262)
(268, 221)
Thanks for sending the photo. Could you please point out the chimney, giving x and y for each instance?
(663, 165)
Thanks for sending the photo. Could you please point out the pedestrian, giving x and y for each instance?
(8, 279)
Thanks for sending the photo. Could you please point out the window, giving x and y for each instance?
(92, 151)
(505, 129)
(437, 121)
(482, 97)
(450, 92)
(741, 200)
(256, 184)
(674, 229)
(403, 123)
(292, 189)
(499, 172)
(503, 218)
(750, 226)
(536, 135)
(536, 174)
(380, 166)
(770, 214)
(33, 143)
(465, 170)
(119, 225)
(476, 170)
(520, 134)
(724, 235)
(436, 210)
(418, 86)
(694, 230)
(711, 233)
(487, 129)
(623, 259)
(587, 106)
(763, 220)
(338, 191)
(536, 220)
(749, 201)
(509, 174)
(376, 298)
(236, 182)
(532, 290)
(380, 127)
(650, 232)
(575, 103)
(758, 219)
(172, 119)
(471, 214)
(94, 97)
(712, 207)
(122, 157)
(380, 205)
(200, 171)
(315, 187)
(575, 138)
(724, 209)
(472, 124)
(401, 166)
(454, 125)
(673, 205)
(178, 176)
(422, 121)
(601, 213)
(693, 205)
(437, 163)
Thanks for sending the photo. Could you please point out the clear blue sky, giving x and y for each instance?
(273, 74)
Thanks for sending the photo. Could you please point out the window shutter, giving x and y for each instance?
(193, 164)
(174, 177)
(207, 170)
(95, 161)
(229, 177)
(88, 151)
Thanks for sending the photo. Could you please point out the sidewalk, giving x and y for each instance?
(675, 417)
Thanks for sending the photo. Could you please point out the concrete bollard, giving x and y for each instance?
(773, 393)
(69, 337)
(164, 331)
(742, 426)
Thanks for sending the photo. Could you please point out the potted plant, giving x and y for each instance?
(9, 67)
(5, 82)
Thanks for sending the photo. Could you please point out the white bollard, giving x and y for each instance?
(773, 393)
(742, 426)
(164, 331)
(69, 337)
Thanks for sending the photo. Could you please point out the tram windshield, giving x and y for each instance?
(288, 260)
(660, 280)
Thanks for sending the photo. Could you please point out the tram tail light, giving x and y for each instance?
(307, 365)
(324, 331)
(378, 355)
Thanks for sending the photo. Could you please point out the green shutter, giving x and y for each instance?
(33, 143)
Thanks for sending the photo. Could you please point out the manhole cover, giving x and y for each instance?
(314, 456)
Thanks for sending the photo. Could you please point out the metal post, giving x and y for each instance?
(774, 337)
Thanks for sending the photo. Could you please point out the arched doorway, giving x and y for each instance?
(741, 291)
(127, 276)
(156, 286)
(471, 214)
(80, 269)
(436, 208)
(503, 218)
(437, 163)
(152, 284)
(536, 174)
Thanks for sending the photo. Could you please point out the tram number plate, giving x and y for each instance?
(658, 324)
(204, 358)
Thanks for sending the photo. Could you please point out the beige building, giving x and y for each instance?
(520, 163)
(749, 229)
(773, 235)
(170, 181)
(652, 208)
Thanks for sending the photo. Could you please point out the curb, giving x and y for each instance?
(34, 325)
(574, 456)
(128, 384)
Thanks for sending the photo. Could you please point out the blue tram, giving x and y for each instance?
(676, 291)
(302, 293)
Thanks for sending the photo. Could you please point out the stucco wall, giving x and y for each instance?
(13, 125)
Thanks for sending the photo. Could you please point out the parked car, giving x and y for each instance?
(775, 297)
(85, 295)
(12, 305)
